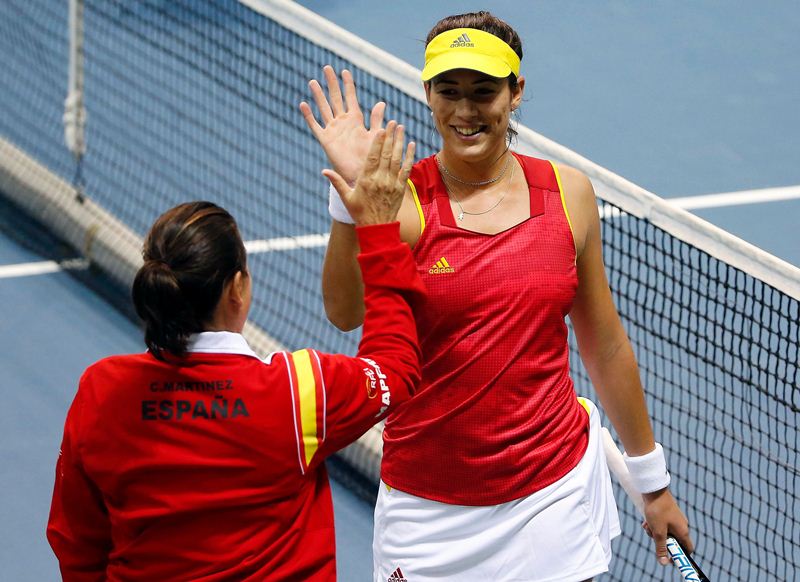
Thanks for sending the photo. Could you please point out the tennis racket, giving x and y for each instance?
(688, 568)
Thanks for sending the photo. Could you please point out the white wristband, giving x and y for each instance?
(337, 208)
(648, 472)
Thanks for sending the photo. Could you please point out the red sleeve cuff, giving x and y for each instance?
(377, 237)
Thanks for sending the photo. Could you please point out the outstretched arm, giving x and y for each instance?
(346, 141)
(608, 356)
(360, 391)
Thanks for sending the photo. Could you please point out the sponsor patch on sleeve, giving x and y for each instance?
(376, 383)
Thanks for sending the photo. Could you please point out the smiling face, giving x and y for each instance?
(471, 111)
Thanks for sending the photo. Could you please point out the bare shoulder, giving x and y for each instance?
(581, 204)
(576, 185)
(409, 217)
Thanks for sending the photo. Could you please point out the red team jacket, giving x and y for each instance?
(210, 467)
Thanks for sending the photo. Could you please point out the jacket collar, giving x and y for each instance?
(219, 342)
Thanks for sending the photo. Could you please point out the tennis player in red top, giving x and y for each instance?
(495, 470)
(197, 460)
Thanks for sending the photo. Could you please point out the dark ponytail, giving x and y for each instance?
(190, 253)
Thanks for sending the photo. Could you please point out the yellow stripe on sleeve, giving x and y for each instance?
(418, 205)
(563, 200)
(307, 392)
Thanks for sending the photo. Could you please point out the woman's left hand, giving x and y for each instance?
(663, 517)
(342, 133)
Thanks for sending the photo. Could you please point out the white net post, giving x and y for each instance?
(74, 111)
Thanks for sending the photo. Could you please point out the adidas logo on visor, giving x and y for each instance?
(462, 41)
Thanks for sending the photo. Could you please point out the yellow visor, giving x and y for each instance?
(469, 48)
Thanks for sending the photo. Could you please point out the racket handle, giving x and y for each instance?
(690, 571)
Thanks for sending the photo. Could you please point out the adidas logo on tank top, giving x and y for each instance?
(441, 267)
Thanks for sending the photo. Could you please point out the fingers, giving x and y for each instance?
(376, 117)
(311, 121)
(397, 150)
(318, 94)
(374, 156)
(386, 154)
(388, 146)
(408, 162)
(660, 539)
(400, 166)
(341, 185)
(332, 105)
(682, 535)
(380, 187)
(334, 91)
(350, 96)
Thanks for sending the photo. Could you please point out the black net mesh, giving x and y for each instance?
(718, 355)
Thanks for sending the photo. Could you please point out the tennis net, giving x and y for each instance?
(191, 100)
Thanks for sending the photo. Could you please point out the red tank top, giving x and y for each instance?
(496, 416)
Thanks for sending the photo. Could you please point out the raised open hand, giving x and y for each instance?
(342, 134)
(380, 186)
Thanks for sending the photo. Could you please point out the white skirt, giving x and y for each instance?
(560, 533)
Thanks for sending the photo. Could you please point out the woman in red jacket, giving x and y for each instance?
(197, 460)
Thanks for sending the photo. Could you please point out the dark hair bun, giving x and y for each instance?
(190, 252)
(162, 307)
